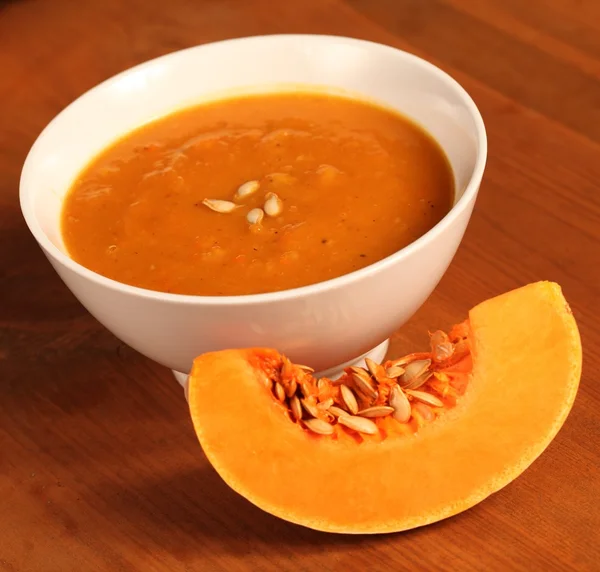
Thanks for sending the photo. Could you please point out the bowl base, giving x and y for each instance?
(377, 354)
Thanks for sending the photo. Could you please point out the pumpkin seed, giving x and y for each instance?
(247, 189)
(415, 369)
(372, 366)
(291, 387)
(360, 424)
(401, 405)
(279, 391)
(425, 397)
(220, 206)
(349, 399)
(306, 388)
(399, 362)
(310, 408)
(377, 370)
(325, 405)
(337, 411)
(409, 358)
(305, 368)
(417, 382)
(442, 352)
(268, 382)
(363, 382)
(273, 205)
(360, 371)
(319, 426)
(377, 411)
(441, 347)
(394, 371)
(255, 216)
(296, 408)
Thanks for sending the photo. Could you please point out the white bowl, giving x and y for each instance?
(322, 325)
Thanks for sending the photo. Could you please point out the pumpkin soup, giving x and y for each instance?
(256, 194)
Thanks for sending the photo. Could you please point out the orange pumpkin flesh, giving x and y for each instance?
(518, 385)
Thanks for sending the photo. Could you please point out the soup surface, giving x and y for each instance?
(256, 194)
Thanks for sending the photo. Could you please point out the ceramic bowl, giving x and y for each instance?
(325, 325)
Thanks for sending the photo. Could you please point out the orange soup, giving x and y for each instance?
(256, 194)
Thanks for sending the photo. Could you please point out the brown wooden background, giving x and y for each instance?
(99, 467)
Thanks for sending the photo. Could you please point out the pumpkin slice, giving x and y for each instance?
(398, 445)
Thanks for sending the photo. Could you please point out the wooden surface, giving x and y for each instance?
(99, 467)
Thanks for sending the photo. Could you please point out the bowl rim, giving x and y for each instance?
(449, 218)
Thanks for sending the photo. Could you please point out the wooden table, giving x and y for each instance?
(99, 465)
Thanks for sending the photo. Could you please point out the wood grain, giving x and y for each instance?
(99, 466)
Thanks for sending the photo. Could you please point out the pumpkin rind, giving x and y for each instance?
(526, 367)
